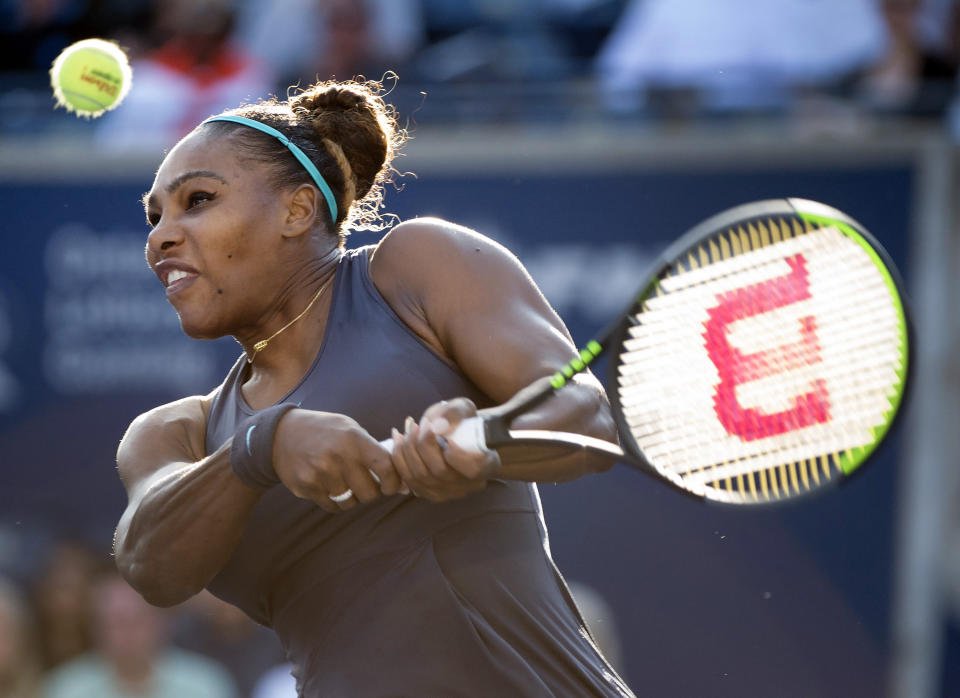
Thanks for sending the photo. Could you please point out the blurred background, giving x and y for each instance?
(585, 135)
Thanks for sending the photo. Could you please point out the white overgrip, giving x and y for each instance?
(468, 435)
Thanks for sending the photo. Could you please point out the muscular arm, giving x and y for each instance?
(185, 511)
(473, 301)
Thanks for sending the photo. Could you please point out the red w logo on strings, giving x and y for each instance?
(737, 368)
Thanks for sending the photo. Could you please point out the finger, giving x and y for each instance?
(431, 453)
(313, 484)
(399, 464)
(327, 505)
(437, 409)
(445, 482)
(419, 472)
(364, 488)
(445, 416)
(342, 498)
(468, 463)
(421, 480)
(471, 464)
(381, 468)
(327, 501)
(331, 482)
(424, 453)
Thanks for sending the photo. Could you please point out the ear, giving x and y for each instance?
(301, 211)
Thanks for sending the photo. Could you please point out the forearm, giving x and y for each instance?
(580, 408)
(181, 527)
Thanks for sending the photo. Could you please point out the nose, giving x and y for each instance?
(163, 237)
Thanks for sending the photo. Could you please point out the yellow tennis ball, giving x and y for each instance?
(91, 77)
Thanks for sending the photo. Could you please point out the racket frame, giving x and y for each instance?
(806, 209)
(493, 425)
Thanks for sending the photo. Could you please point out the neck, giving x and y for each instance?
(285, 343)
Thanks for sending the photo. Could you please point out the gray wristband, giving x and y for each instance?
(251, 452)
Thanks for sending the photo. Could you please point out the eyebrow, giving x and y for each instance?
(147, 199)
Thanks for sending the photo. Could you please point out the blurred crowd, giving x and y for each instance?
(504, 58)
(70, 627)
(75, 629)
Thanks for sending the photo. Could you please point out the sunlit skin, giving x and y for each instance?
(255, 259)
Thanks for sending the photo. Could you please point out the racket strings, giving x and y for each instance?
(772, 408)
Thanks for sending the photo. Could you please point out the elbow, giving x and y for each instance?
(165, 599)
(155, 571)
(154, 588)
(154, 582)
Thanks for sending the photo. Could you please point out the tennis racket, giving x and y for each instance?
(764, 358)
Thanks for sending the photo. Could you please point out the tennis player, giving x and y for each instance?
(424, 571)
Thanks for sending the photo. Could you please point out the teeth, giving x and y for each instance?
(176, 275)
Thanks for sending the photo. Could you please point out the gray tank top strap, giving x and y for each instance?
(452, 598)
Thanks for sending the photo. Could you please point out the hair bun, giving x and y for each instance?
(353, 116)
(326, 97)
(347, 131)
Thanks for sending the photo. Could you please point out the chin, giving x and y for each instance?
(196, 329)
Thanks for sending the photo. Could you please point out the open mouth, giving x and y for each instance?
(175, 276)
(177, 280)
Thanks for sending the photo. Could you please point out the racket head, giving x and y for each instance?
(766, 357)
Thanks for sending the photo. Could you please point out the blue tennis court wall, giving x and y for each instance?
(706, 600)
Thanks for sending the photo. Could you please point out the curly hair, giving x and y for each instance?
(346, 129)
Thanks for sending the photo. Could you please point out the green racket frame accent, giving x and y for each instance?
(573, 367)
(686, 253)
(852, 459)
(788, 481)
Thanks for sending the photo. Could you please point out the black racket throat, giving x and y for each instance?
(499, 434)
(764, 358)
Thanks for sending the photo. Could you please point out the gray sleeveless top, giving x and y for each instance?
(402, 597)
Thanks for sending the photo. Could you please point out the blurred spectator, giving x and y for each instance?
(583, 26)
(601, 621)
(937, 25)
(33, 32)
(218, 630)
(305, 40)
(915, 75)
(132, 657)
(196, 70)
(60, 596)
(351, 44)
(499, 41)
(736, 54)
(19, 661)
(278, 682)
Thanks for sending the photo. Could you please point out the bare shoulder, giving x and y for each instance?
(430, 230)
(426, 252)
(183, 411)
(173, 432)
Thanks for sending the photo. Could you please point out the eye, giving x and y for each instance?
(153, 218)
(199, 197)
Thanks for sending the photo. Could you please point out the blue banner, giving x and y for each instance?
(707, 601)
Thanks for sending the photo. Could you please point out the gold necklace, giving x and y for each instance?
(262, 344)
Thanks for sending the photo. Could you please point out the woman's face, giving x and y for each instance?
(216, 237)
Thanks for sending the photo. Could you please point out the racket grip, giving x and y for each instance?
(469, 435)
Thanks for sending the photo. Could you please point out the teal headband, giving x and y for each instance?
(293, 148)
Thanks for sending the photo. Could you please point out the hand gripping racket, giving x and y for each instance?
(764, 358)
